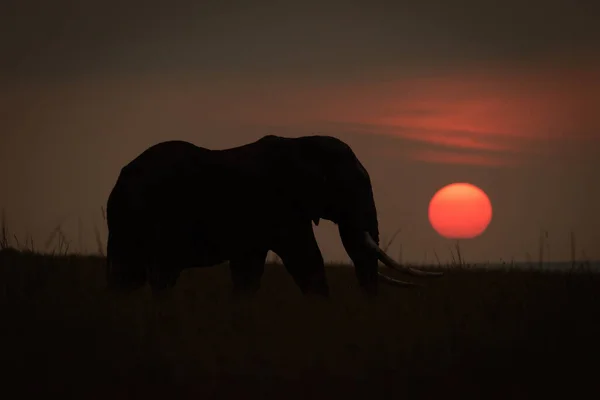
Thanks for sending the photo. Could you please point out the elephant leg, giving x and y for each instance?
(247, 271)
(162, 272)
(162, 278)
(303, 260)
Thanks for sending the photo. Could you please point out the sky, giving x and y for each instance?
(503, 95)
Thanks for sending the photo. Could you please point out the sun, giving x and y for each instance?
(460, 211)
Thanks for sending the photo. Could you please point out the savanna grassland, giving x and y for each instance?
(486, 333)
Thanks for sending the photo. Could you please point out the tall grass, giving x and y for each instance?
(57, 242)
(504, 333)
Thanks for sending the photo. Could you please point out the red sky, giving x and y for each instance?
(424, 96)
(491, 116)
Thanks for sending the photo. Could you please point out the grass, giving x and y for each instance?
(476, 332)
(473, 332)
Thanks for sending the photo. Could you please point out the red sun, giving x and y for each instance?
(460, 211)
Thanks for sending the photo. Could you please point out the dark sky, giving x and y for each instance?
(504, 95)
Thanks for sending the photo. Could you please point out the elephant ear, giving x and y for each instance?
(301, 179)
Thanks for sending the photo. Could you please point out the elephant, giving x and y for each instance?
(178, 206)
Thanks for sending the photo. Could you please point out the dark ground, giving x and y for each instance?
(480, 334)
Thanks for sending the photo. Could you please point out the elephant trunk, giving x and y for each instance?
(391, 263)
(366, 253)
(359, 232)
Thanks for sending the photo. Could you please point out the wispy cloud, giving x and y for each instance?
(502, 117)
(454, 157)
(498, 116)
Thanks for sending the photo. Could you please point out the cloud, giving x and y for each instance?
(497, 114)
(469, 140)
(508, 112)
(453, 157)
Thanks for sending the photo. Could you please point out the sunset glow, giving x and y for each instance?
(460, 211)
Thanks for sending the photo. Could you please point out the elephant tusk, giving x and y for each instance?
(396, 282)
(390, 263)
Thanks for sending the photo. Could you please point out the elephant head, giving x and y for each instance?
(329, 182)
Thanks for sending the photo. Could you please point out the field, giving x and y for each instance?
(488, 334)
